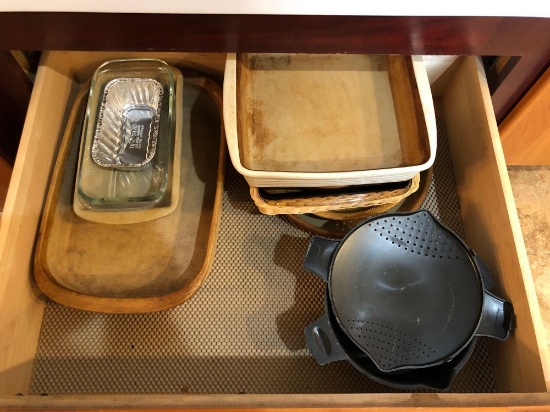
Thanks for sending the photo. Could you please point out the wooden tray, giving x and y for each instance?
(328, 225)
(345, 198)
(145, 267)
(407, 204)
(355, 213)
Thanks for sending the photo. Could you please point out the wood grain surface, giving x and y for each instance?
(273, 33)
(477, 166)
(525, 133)
(367, 409)
(20, 302)
(498, 402)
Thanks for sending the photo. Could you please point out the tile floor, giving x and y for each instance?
(531, 188)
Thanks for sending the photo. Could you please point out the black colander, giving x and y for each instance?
(330, 343)
(407, 291)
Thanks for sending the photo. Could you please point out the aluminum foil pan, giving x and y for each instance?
(128, 123)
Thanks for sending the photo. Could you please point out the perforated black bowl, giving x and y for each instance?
(407, 291)
(330, 343)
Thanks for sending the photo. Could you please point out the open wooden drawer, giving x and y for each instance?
(520, 365)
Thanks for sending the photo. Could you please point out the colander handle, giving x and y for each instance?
(319, 256)
(497, 317)
(484, 271)
(322, 343)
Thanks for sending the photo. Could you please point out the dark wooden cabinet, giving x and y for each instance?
(15, 93)
(525, 38)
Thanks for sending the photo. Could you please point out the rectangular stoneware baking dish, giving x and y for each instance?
(328, 120)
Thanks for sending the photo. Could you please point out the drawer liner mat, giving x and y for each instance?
(242, 332)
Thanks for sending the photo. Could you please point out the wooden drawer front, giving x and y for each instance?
(486, 204)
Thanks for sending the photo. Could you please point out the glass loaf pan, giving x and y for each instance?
(127, 136)
(170, 199)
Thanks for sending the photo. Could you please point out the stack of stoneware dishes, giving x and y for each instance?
(328, 133)
(405, 301)
(128, 146)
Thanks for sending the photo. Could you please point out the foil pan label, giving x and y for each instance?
(136, 133)
(128, 123)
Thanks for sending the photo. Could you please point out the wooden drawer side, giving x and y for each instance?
(492, 227)
(21, 306)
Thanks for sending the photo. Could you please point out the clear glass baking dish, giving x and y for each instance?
(127, 136)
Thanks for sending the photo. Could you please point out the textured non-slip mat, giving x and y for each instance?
(242, 332)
